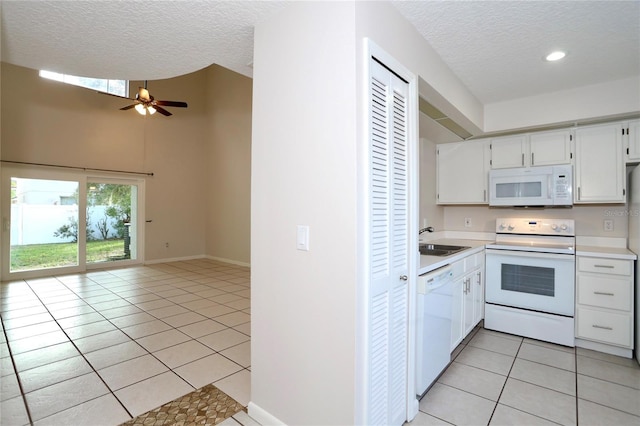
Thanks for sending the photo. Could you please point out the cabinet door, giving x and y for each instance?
(469, 303)
(632, 134)
(457, 312)
(548, 148)
(509, 151)
(478, 296)
(462, 176)
(600, 171)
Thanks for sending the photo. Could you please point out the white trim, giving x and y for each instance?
(233, 262)
(371, 49)
(174, 259)
(199, 256)
(601, 347)
(262, 416)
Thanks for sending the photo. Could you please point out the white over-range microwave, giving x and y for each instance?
(531, 186)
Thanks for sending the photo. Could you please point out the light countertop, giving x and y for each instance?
(606, 252)
(430, 263)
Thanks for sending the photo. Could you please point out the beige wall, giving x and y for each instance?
(431, 214)
(228, 158)
(53, 123)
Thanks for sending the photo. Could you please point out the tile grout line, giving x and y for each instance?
(79, 351)
(101, 286)
(575, 357)
(172, 327)
(495, 407)
(15, 371)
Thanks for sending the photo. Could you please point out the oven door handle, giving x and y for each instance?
(530, 254)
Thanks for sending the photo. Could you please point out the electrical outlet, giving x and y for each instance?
(166, 245)
(467, 222)
(608, 224)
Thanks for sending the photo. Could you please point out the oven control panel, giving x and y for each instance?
(563, 227)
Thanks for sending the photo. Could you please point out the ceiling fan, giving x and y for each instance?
(147, 104)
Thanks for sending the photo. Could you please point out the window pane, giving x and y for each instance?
(116, 87)
(44, 224)
(111, 218)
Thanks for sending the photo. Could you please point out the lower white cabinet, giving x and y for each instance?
(604, 301)
(468, 296)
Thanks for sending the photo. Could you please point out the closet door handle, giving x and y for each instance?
(602, 293)
(523, 158)
(532, 162)
(603, 266)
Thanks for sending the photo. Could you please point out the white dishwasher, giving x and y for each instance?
(433, 340)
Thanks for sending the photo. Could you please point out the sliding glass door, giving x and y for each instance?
(112, 217)
(56, 222)
(44, 224)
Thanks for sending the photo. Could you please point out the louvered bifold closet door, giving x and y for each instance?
(389, 295)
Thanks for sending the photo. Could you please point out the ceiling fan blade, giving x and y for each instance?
(162, 111)
(171, 103)
(128, 107)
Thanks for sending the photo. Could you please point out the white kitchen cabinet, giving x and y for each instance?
(604, 302)
(468, 296)
(632, 141)
(462, 172)
(550, 148)
(532, 149)
(599, 165)
(509, 151)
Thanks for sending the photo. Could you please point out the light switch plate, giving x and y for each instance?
(303, 238)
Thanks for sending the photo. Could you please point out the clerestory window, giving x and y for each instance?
(115, 87)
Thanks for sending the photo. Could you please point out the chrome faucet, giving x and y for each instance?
(427, 229)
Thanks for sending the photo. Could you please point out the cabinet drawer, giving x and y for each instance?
(473, 262)
(604, 292)
(604, 266)
(606, 327)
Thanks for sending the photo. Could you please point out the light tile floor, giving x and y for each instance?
(501, 379)
(106, 346)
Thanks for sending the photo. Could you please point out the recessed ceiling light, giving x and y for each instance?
(555, 56)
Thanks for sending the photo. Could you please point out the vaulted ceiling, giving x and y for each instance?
(496, 48)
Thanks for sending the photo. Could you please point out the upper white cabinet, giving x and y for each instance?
(509, 151)
(632, 140)
(532, 149)
(599, 165)
(549, 148)
(462, 172)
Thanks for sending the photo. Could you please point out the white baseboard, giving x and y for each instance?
(601, 347)
(200, 256)
(233, 262)
(173, 259)
(262, 416)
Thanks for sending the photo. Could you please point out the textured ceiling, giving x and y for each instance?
(134, 40)
(495, 47)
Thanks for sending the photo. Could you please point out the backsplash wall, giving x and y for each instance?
(589, 219)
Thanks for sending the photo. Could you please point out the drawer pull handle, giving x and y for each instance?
(602, 327)
(602, 293)
(603, 266)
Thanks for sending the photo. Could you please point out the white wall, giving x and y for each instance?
(306, 128)
(304, 173)
(610, 99)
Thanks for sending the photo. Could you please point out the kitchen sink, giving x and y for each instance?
(440, 249)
